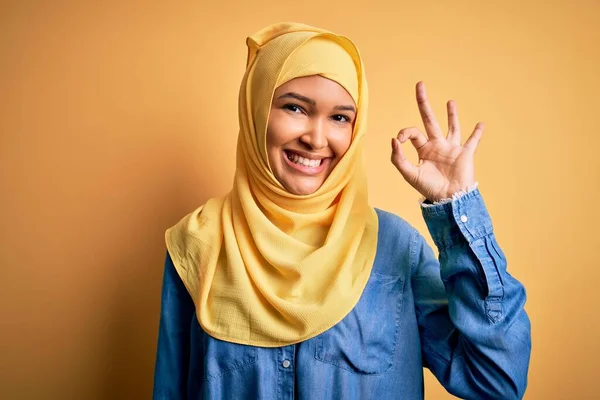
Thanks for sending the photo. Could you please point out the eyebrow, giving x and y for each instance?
(345, 108)
(312, 102)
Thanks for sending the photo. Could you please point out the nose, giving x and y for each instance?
(316, 136)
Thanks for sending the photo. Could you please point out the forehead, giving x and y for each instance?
(317, 86)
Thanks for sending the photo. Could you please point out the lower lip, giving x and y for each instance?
(307, 170)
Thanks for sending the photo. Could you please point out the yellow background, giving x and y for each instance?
(118, 118)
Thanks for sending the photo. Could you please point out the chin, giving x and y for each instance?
(302, 190)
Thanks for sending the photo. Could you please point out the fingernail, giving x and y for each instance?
(394, 144)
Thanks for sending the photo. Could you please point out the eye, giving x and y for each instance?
(294, 108)
(341, 118)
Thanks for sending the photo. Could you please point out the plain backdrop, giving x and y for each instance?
(117, 118)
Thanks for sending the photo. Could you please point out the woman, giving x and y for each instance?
(293, 286)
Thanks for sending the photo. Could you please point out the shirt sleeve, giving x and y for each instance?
(475, 333)
(172, 356)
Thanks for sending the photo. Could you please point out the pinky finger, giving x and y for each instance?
(473, 140)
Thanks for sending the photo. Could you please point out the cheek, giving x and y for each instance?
(279, 132)
(283, 129)
(340, 143)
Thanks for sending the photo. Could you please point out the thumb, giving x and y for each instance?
(408, 171)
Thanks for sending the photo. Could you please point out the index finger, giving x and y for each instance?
(431, 126)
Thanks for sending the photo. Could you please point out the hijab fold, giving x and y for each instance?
(266, 267)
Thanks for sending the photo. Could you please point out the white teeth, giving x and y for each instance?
(295, 158)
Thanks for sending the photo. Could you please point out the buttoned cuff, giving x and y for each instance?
(463, 218)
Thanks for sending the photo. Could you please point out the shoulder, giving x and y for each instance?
(395, 243)
(391, 223)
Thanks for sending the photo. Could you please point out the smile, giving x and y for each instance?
(306, 165)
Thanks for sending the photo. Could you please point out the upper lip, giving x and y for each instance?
(307, 155)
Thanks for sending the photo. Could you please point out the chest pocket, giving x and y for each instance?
(365, 340)
(220, 357)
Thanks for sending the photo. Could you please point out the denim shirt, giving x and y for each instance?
(461, 317)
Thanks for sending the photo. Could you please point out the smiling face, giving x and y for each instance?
(309, 130)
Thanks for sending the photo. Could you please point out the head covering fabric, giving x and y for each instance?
(266, 267)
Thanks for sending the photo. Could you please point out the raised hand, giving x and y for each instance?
(445, 166)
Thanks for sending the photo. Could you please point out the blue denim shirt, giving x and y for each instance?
(461, 317)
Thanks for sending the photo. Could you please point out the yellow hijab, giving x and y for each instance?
(263, 266)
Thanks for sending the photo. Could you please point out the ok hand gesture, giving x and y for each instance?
(445, 166)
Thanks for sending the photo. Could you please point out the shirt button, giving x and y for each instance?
(286, 363)
(464, 218)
